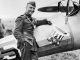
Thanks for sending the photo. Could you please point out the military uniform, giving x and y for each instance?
(24, 34)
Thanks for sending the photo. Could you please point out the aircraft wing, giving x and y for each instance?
(8, 47)
(47, 47)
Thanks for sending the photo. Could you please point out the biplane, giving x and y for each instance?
(66, 40)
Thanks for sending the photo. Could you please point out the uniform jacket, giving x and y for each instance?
(24, 28)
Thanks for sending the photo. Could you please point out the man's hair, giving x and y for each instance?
(32, 3)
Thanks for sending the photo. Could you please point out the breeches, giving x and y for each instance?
(27, 53)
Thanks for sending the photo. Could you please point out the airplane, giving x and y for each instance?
(69, 40)
(72, 22)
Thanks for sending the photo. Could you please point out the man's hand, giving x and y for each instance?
(48, 22)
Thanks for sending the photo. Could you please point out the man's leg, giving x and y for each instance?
(34, 56)
(26, 52)
(34, 50)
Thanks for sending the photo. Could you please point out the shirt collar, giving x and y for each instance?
(28, 15)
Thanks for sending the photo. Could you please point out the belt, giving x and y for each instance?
(28, 37)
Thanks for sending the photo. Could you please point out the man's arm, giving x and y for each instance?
(42, 22)
(18, 29)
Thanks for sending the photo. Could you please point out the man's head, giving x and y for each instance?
(30, 8)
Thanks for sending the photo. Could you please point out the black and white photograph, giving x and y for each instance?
(39, 29)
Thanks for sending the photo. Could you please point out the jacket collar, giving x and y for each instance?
(28, 15)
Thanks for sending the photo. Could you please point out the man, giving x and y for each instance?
(24, 33)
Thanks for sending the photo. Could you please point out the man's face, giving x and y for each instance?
(30, 9)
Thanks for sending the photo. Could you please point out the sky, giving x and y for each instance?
(14, 8)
